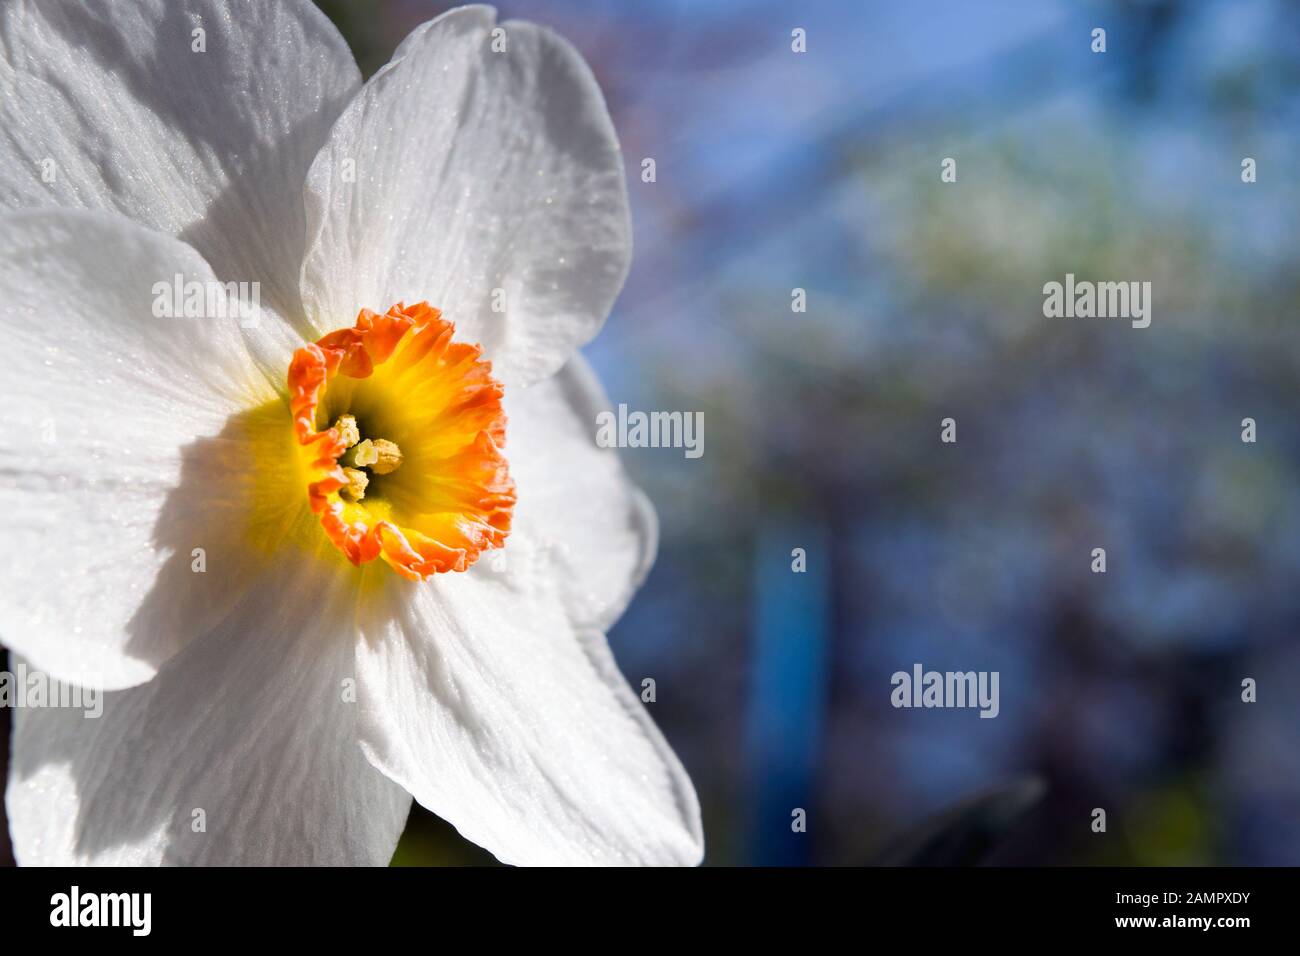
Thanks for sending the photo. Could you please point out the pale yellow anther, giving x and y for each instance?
(380, 455)
(347, 427)
(355, 489)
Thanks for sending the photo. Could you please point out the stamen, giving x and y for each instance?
(348, 431)
(355, 489)
(380, 455)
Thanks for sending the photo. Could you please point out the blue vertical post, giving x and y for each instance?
(788, 689)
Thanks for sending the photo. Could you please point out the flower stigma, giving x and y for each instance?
(411, 470)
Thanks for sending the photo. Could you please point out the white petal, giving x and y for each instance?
(579, 520)
(249, 725)
(502, 719)
(459, 171)
(211, 146)
(102, 406)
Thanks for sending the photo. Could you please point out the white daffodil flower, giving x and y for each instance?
(260, 533)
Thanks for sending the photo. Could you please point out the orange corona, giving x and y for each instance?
(401, 433)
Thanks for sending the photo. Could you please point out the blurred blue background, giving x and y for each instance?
(820, 171)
